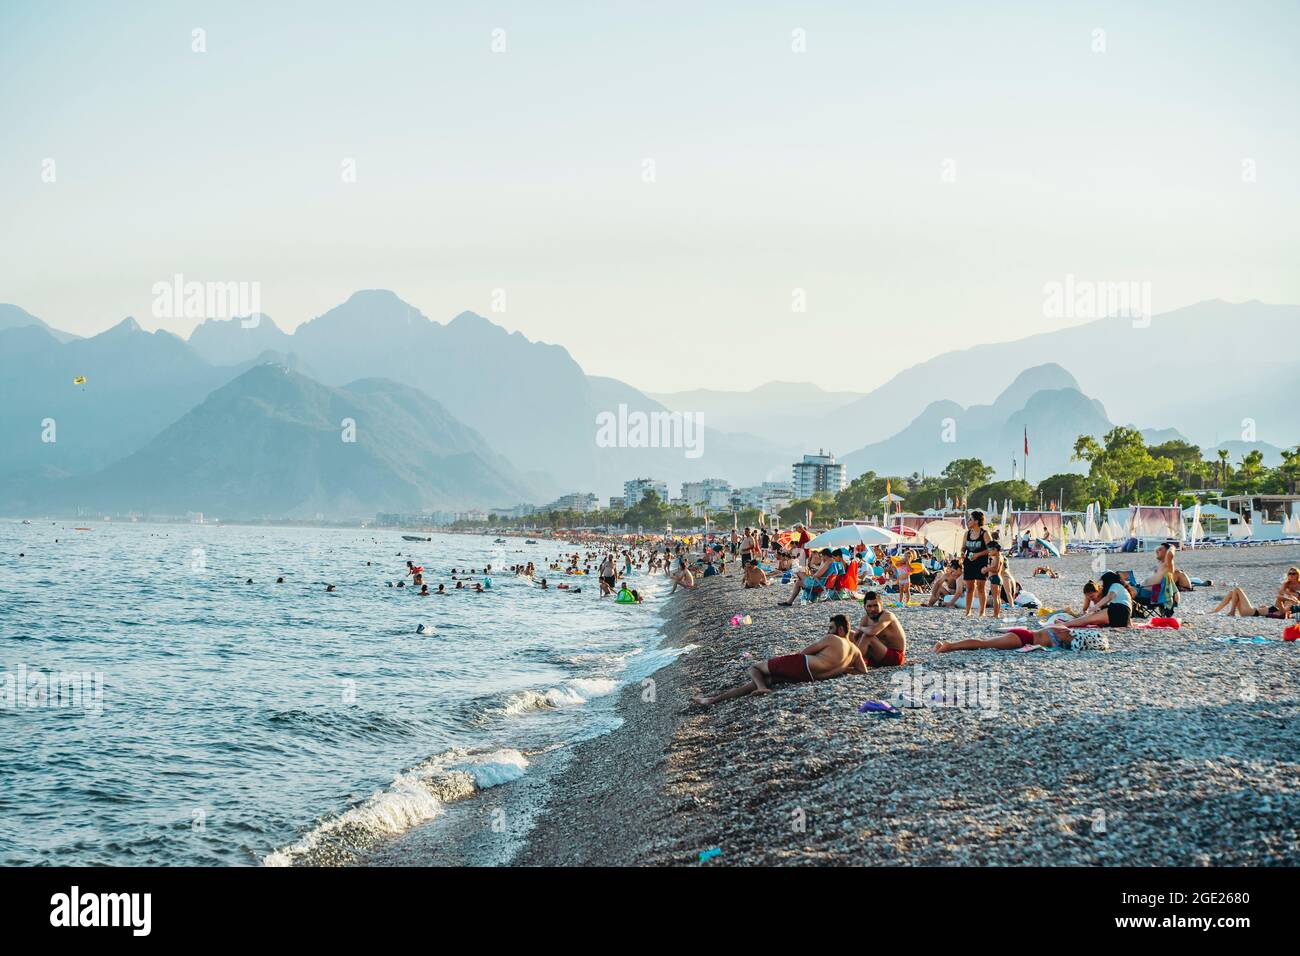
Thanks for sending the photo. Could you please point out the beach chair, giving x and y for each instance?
(1161, 601)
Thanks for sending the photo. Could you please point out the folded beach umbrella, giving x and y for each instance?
(944, 535)
(852, 535)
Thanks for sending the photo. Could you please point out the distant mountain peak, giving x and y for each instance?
(125, 327)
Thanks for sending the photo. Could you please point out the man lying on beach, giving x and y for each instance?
(830, 657)
(879, 635)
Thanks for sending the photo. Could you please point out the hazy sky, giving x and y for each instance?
(774, 170)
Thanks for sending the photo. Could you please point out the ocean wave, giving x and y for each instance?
(415, 797)
(590, 687)
(529, 701)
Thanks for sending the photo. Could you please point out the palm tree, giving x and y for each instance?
(1223, 467)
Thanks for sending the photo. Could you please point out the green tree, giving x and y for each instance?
(1019, 492)
(1121, 461)
(1071, 492)
(965, 474)
(649, 512)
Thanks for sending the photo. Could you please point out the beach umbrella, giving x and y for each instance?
(852, 535)
(944, 535)
(1049, 547)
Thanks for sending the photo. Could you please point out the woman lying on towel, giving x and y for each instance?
(1284, 605)
(1054, 636)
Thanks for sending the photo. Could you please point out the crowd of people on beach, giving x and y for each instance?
(904, 575)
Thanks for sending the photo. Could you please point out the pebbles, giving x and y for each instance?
(1170, 749)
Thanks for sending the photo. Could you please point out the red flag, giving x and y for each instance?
(1026, 441)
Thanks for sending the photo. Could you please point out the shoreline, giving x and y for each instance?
(1169, 749)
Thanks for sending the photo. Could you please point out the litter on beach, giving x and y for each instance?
(880, 709)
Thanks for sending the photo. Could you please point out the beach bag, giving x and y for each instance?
(1089, 641)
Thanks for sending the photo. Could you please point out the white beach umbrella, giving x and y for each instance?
(852, 535)
(1107, 532)
(945, 535)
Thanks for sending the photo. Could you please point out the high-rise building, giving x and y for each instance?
(816, 473)
(581, 502)
(634, 490)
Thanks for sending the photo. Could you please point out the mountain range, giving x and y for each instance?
(274, 443)
(466, 413)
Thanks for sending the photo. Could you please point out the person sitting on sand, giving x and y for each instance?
(820, 567)
(1113, 609)
(945, 583)
(1284, 605)
(755, 576)
(683, 577)
(830, 657)
(879, 635)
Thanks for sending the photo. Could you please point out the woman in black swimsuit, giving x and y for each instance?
(975, 558)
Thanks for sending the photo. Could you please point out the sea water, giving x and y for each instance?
(260, 723)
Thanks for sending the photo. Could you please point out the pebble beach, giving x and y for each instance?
(1169, 749)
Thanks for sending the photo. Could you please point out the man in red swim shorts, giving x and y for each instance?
(830, 657)
(879, 635)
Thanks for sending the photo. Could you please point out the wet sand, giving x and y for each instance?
(1169, 749)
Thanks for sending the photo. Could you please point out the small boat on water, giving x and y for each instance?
(499, 541)
(530, 541)
(415, 537)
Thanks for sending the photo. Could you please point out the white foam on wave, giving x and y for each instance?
(496, 768)
(590, 687)
(552, 698)
(414, 797)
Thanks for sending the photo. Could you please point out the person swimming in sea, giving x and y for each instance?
(442, 589)
(424, 590)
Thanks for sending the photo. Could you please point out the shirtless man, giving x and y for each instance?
(755, 577)
(830, 657)
(879, 635)
(1164, 566)
(945, 583)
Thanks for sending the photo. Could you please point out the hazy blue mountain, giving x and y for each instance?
(12, 317)
(1206, 368)
(137, 383)
(1045, 400)
(530, 400)
(744, 460)
(793, 415)
(237, 341)
(271, 444)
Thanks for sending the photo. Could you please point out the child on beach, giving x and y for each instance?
(994, 570)
(830, 657)
(903, 574)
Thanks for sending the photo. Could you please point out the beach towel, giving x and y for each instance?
(1237, 639)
